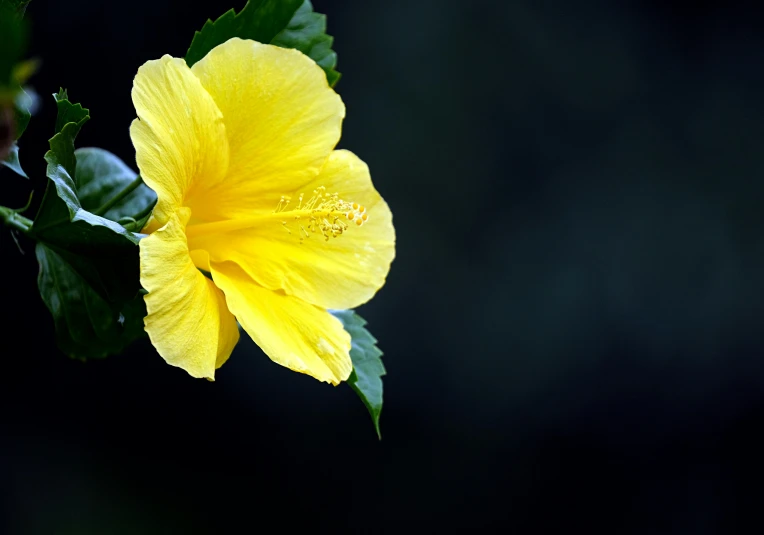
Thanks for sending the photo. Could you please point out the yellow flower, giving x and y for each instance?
(240, 151)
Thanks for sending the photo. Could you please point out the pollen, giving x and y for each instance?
(321, 213)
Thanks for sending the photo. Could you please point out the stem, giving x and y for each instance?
(119, 196)
(146, 211)
(15, 221)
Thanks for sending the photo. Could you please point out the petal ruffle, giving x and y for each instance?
(179, 136)
(282, 120)
(340, 273)
(188, 321)
(291, 332)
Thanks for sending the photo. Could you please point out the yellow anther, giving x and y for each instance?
(320, 212)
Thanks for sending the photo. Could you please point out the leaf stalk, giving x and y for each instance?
(119, 196)
(12, 219)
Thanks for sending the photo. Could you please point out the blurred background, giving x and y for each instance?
(572, 327)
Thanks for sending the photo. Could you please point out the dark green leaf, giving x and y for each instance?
(101, 251)
(69, 113)
(285, 23)
(89, 273)
(25, 104)
(13, 43)
(307, 33)
(12, 161)
(19, 5)
(100, 175)
(87, 326)
(260, 20)
(366, 379)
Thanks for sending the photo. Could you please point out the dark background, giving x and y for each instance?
(572, 327)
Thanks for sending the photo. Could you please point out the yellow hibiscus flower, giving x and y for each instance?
(240, 151)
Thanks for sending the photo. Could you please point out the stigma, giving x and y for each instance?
(322, 213)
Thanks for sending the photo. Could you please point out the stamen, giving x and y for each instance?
(322, 212)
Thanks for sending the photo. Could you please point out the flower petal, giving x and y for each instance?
(293, 333)
(188, 321)
(340, 273)
(179, 137)
(282, 120)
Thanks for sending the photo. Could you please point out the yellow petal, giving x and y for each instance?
(188, 321)
(340, 273)
(292, 333)
(282, 120)
(179, 137)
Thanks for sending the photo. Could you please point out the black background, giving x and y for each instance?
(572, 327)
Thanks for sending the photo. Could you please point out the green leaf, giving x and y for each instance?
(307, 33)
(100, 175)
(25, 104)
(366, 378)
(89, 273)
(87, 326)
(68, 113)
(101, 251)
(19, 5)
(13, 30)
(284, 23)
(12, 161)
(260, 20)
